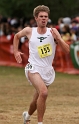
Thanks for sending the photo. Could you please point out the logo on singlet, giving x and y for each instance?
(41, 38)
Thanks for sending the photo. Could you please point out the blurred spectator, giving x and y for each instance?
(60, 25)
(75, 27)
(67, 20)
(73, 35)
(23, 39)
(32, 22)
(27, 24)
(50, 24)
(68, 28)
(65, 33)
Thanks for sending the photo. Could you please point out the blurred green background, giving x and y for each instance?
(24, 8)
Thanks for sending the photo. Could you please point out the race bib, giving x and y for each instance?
(29, 67)
(45, 50)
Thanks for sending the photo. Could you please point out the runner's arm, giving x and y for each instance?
(22, 33)
(60, 41)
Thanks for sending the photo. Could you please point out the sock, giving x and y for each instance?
(27, 116)
(40, 122)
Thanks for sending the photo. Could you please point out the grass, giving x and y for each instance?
(16, 94)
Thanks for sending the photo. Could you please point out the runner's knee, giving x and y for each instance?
(44, 94)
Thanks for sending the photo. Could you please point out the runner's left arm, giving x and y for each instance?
(65, 47)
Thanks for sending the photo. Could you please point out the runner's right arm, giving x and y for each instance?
(25, 32)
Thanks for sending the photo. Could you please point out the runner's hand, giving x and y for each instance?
(55, 34)
(18, 56)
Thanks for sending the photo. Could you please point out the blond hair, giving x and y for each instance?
(40, 8)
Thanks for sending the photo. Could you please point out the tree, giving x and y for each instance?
(24, 8)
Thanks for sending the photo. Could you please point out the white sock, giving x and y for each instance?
(40, 122)
(27, 116)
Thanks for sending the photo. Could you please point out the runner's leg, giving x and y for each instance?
(41, 88)
(33, 105)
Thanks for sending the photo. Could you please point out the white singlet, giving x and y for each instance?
(41, 54)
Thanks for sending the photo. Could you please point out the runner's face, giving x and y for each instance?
(42, 19)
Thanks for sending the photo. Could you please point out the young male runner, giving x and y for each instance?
(39, 70)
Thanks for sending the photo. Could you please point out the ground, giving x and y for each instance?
(16, 94)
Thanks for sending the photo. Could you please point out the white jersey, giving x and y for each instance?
(41, 48)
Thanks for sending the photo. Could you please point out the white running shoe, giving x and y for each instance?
(24, 118)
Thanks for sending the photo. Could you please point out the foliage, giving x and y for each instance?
(24, 8)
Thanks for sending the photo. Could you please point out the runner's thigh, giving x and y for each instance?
(37, 81)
